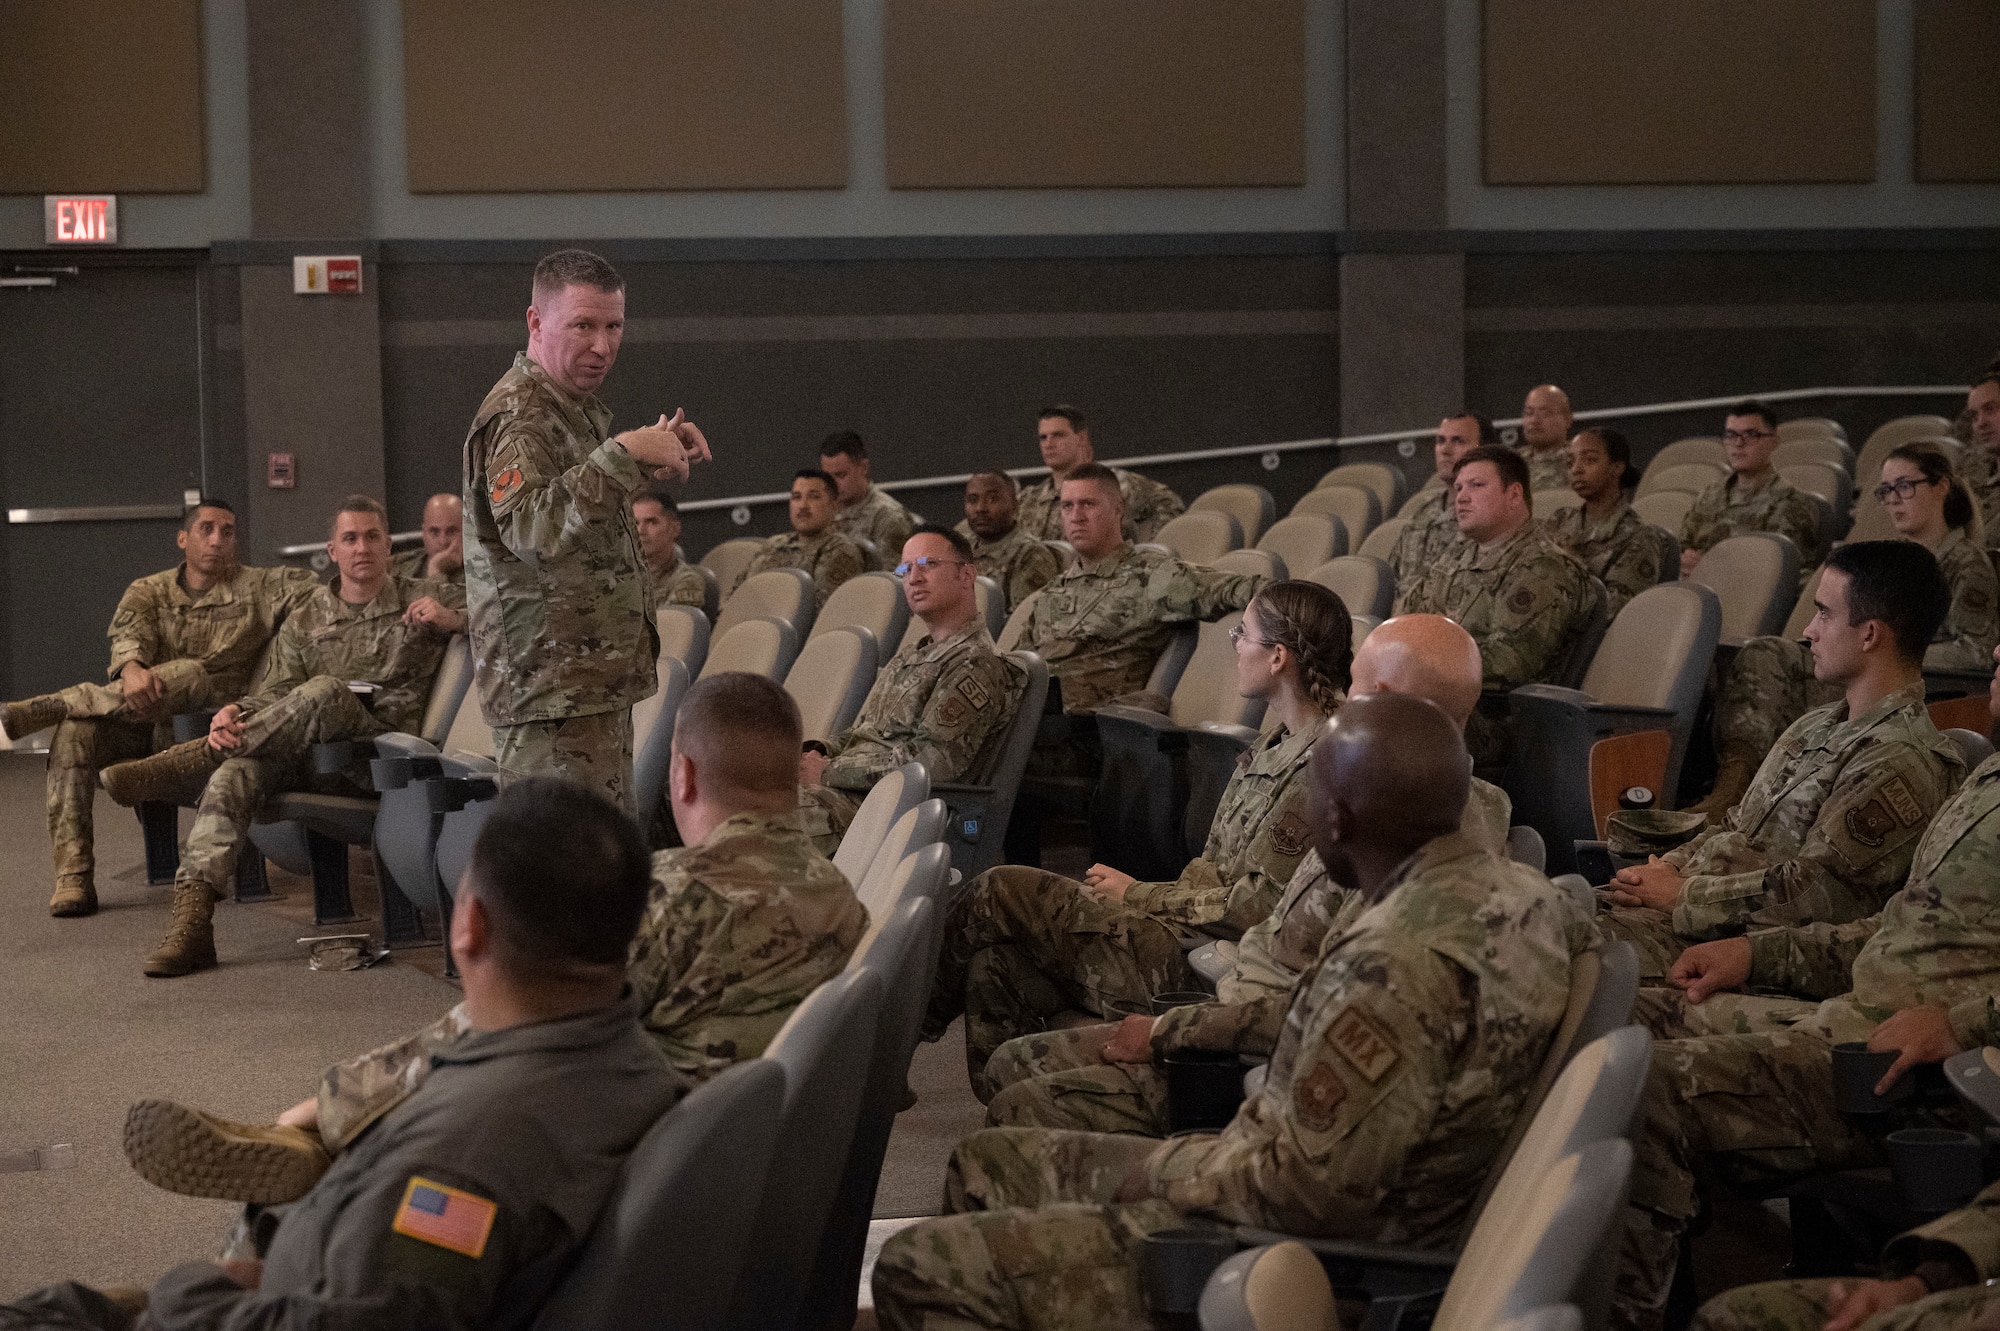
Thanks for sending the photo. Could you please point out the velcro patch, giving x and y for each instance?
(1365, 1047)
(974, 693)
(953, 713)
(506, 483)
(1902, 802)
(1871, 823)
(1522, 601)
(1291, 836)
(447, 1217)
(1317, 1097)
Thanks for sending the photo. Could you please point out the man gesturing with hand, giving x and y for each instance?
(554, 581)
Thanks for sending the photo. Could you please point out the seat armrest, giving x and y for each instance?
(969, 809)
(1530, 701)
(396, 744)
(470, 765)
(449, 794)
(336, 756)
(1169, 737)
(396, 772)
(1241, 734)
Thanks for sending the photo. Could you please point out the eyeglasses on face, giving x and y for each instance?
(1902, 489)
(927, 564)
(1747, 436)
(1240, 635)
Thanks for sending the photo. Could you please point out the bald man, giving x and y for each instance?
(1545, 422)
(441, 557)
(1367, 1127)
(1107, 1078)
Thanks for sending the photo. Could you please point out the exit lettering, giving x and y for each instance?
(80, 219)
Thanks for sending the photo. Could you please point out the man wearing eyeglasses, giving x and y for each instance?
(944, 700)
(1752, 497)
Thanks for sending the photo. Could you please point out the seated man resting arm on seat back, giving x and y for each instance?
(657, 520)
(1064, 440)
(742, 924)
(812, 544)
(863, 512)
(371, 629)
(441, 558)
(1408, 1050)
(1827, 829)
(1752, 497)
(1770, 684)
(944, 701)
(1106, 1078)
(1618, 546)
(1741, 1088)
(1523, 598)
(1022, 945)
(464, 1205)
(1431, 535)
(1017, 560)
(185, 638)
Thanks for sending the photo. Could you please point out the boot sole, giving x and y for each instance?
(175, 1148)
(71, 910)
(165, 970)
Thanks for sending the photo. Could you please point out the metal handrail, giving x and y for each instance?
(1303, 445)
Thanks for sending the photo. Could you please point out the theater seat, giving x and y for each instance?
(1274, 1287)
(684, 633)
(894, 794)
(1665, 509)
(1705, 449)
(977, 812)
(1756, 575)
(1305, 540)
(1251, 506)
(728, 560)
(1359, 511)
(1693, 477)
(783, 594)
(1827, 482)
(1201, 536)
(873, 601)
(1385, 482)
(1363, 583)
(1545, 503)
(1647, 674)
(1812, 427)
(1381, 542)
(831, 678)
(1814, 448)
(764, 647)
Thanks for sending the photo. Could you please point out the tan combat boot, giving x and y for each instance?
(190, 942)
(76, 894)
(164, 776)
(199, 1155)
(18, 720)
(1732, 780)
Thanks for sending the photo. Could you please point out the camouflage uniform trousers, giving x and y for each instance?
(1648, 930)
(1069, 1264)
(356, 1092)
(274, 757)
(593, 751)
(1023, 946)
(1769, 685)
(829, 812)
(1059, 1079)
(1805, 1305)
(102, 731)
(1735, 1096)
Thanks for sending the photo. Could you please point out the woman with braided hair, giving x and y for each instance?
(1024, 947)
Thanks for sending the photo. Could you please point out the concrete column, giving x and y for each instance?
(312, 365)
(1402, 340)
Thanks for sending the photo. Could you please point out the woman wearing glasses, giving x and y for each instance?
(1771, 684)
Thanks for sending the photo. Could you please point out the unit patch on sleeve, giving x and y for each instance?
(1356, 1037)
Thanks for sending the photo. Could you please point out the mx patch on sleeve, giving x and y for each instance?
(448, 1217)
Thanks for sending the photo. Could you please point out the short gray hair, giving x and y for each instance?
(574, 268)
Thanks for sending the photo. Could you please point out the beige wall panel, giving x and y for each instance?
(1958, 91)
(101, 97)
(524, 95)
(1679, 92)
(1093, 93)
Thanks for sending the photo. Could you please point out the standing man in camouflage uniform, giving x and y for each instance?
(1065, 444)
(1368, 1126)
(1752, 497)
(1982, 460)
(946, 700)
(1620, 548)
(441, 558)
(864, 513)
(1523, 598)
(1003, 550)
(657, 520)
(372, 630)
(742, 923)
(1828, 826)
(1431, 535)
(812, 544)
(1742, 1086)
(185, 638)
(1545, 425)
(1022, 946)
(562, 643)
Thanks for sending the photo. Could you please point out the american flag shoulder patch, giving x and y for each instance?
(446, 1216)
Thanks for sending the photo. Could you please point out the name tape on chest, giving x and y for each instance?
(445, 1216)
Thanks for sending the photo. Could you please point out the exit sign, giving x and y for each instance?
(80, 219)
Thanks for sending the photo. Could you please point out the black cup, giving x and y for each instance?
(1174, 1266)
(1203, 1090)
(1180, 998)
(1935, 1170)
(1855, 1073)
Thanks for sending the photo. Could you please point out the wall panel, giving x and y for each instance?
(1958, 96)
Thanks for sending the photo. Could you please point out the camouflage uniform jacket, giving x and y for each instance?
(828, 558)
(1971, 1232)
(1019, 563)
(554, 584)
(682, 584)
(879, 519)
(371, 643)
(1981, 472)
(1429, 540)
(1623, 551)
(737, 931)
(415, 563)
(1972, 625)
(1523, 599)
(1408, 1050)
(1149, 506)
(1728, 509)
(1548, 468)
(225, 628)
(1936, 942)
(1102, 626)
(943, 704)
(1254, 844)
(1829, 825)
